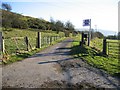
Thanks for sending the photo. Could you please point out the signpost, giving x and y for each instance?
(119, 26)
(87, 22)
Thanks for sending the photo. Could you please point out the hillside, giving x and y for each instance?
(15, 20)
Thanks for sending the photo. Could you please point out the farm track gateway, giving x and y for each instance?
(55, 68)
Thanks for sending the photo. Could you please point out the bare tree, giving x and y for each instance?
(6, 6)
(69, 26)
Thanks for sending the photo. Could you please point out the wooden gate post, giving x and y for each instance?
(82, 37)
(82, 41)
(89, 38)
(104, 47)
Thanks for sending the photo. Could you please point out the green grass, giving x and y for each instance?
(97, 43)
(96, 58)
(22, 56)
(11, 47)
(112, 46)
(10, 43)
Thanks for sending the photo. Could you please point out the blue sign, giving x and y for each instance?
(86, 22)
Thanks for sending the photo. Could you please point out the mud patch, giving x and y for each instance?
(58, 68)
(69, 64)
(64, 84)
(65, 65)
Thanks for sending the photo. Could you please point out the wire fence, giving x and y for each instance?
(27, 43)
(108, 47)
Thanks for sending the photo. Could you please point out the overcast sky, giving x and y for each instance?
(103, 13)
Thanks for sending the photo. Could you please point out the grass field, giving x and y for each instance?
(95, 57)
(97, 43)
(14, 40)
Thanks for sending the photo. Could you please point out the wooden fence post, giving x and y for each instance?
(47, 40)
(1, 42)
(38, 39)
(27, 42)
(43, 40)
(51, 40)
(104, 46)
(2, 46)
(55, 38)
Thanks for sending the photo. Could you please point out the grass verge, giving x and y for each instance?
(22, 56)
(96, 58)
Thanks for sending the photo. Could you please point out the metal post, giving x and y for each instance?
(108, 48)
(89, 38)
(40, 40)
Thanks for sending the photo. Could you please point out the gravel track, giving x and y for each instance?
(55, 68)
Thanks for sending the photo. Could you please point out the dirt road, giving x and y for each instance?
(55, 68)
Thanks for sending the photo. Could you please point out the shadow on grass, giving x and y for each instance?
(17, 57)
(23, 55)
(85, 51)
(76, 50)
(117, 75)
(82, 51)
